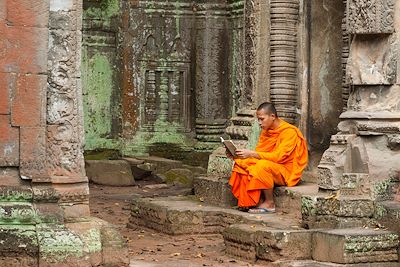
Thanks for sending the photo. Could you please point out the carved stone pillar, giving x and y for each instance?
(284, 39)
(64, 108)
(211, 72)
(372, 118)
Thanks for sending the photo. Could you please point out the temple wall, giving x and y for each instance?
(101, 68)
(325, 96)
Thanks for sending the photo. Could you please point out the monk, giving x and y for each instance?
(279, 159)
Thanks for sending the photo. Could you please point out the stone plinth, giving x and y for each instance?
(355, 246)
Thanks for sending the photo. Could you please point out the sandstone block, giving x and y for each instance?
(32, 153)
(273, 245)
(6, 85)
(109, 172)
(28, 13)
(9, 142)
(179, 176)
(29, 106)
(26, 49)
(214, 190)
(240, 241)
(114, 247)
(18, 213)
(19, 246)
(355, 245)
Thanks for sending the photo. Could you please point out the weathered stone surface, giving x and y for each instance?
(9, 142)
(114, 247)
(355, 245)
(26, 49)
(388, 215)
(214, 190)
(109, 172)
(28, 13)
(28, 106)
(32, 165)
(6, 85)
(219, 164)
(311, 263)
(255, 242)
(179, 176)
(18, 213)
(370, 17)
(181, 215)
(240, 241)
(372, 61)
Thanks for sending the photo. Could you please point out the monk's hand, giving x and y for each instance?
(228, 154)
(246, 153)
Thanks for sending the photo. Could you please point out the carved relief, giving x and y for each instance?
(345, 55)
(372, 61)
(370, 16)
(284, 19)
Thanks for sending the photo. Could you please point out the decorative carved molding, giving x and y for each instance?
(370, 16)
(284, 84)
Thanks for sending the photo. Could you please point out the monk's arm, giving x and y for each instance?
(288, 141)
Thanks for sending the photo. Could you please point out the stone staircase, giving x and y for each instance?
(310, 227)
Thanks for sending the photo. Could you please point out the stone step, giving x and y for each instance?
(355, 245)
(256, 242)
(312, 263)
(185, 215)
(216, 191)
(388, 215)
(335, 211)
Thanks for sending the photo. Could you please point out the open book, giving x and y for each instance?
(230, 146)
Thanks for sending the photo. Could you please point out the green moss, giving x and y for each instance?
(97, 80)
(106, 10)
(102, 154)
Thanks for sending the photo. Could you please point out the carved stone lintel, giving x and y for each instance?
(370, 16)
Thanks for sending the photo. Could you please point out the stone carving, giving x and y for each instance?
(284, 85)
(370, 16)
(372, 62)
(345, 55)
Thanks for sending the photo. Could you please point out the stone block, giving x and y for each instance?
(388, 215)
(109, 172)
(355, 245)
(7, 83)
(219, 164)
(114, 247)
(19, 246)
(9, 142)
(28, 13)
(26, 49)
(372, 61)
(32, 165)
(21, 193)
(28, 107)
(239, 241)
(18, 213)
(58, 246)
(272, 245)
(214, 190)
(370, 17)
(66, 20)
(344, 206)
(179, 176)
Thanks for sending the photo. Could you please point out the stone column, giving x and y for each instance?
(368, 141)
(255, 73)
(211, 72)
(64, 108)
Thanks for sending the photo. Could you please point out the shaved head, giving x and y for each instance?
(268, 108)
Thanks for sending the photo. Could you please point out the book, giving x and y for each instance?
(230, 146)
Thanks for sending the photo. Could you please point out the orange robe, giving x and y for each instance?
(283, 153)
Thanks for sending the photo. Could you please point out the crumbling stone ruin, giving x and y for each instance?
(168, 78)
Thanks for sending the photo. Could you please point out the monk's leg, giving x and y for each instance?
(268, 200)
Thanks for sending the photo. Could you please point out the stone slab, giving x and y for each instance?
(256, 242)
(109, 172)
(9, 142)
(388, 215)
(312, 263)
(214, 190)
(184, 215)
(355, 245)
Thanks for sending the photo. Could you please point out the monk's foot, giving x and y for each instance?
(259, 210)
(266, 205)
